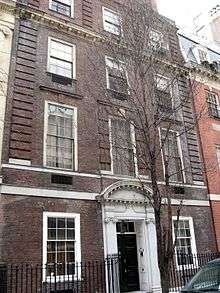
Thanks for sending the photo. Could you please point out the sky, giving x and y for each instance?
(183, 11)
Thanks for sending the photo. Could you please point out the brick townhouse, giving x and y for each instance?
(204, 59)
(64, 196)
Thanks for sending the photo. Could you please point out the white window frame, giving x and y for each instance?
(159, 76)
(71, 9)
(104, 21)
(180, 153)
(163, 45)
(133, 141)
(193, 242)
(217, 100)
(196, 53)
(107, 75)
(64, 43)
(75, 158)
(47, 215)
(218, 159)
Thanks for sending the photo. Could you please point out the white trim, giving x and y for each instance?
(74, 130)
(214, 197)
(46, 215)
(196, 53)
(74, 195)
(111, 148)
(193, 241)
(104, 22)
(49, 170)
(19, 162)
(164, 45)
(41, 192)
(188, 202)
(122, 64)
(103, 174)
(71, 10)
(64, 43)
(134, 147)
(180, 153)
(133, 141)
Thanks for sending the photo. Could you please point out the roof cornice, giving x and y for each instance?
(62, 25)
(8, 6)
(42, 17)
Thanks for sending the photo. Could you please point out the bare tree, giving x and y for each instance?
(145, 107)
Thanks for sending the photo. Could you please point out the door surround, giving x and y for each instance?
(123, 201)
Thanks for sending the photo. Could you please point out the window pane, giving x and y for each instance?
(70, 246)
(61, 234)
(61, 257)
(70, 223)
(60, 249)
(70, 234)
(70, 257)
(61, 67)
(171, 155)
(63, 8)
(51, 222)
(51, 234)
(60, 137)
(61, 223)
(60, 246)
(122, 150)
(51, 246)
(51, 258)
(61, 51)
(111, 22)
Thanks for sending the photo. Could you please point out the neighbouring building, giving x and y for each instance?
(204, 61)
(65, 197)
(207, 25)
(7, 19)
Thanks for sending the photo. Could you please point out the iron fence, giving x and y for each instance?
(84, 277)
(101, 276)
(185, 266)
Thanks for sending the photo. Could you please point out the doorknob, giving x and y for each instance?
(141, 251)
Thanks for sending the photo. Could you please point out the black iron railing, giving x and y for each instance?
(85, 277)
(100, 276)
(185, 266)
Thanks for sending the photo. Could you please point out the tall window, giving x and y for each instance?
(184, 232)
(62, 6)
(61, 59)
(203, 55)
(61, 133)
(218, 154)
(164, 93)
(116, 76)
(61, 243)
(111, 21)
(156, 40)
(213, 104)
(172, 155)
(122, 147)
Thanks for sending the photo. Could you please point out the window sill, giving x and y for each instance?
(59, 91)
(65, 278)
(118, 95)
(111, 174)
(61, 79)
(59, 169)
(61, 14)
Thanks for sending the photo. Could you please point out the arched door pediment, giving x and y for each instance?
(126, 191)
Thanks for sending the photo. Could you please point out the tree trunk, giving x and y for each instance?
(164, 275)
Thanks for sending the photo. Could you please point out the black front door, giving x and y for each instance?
(128, 265)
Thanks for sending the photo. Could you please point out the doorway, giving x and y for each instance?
(128, 258)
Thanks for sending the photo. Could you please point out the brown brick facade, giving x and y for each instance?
(31, 86)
